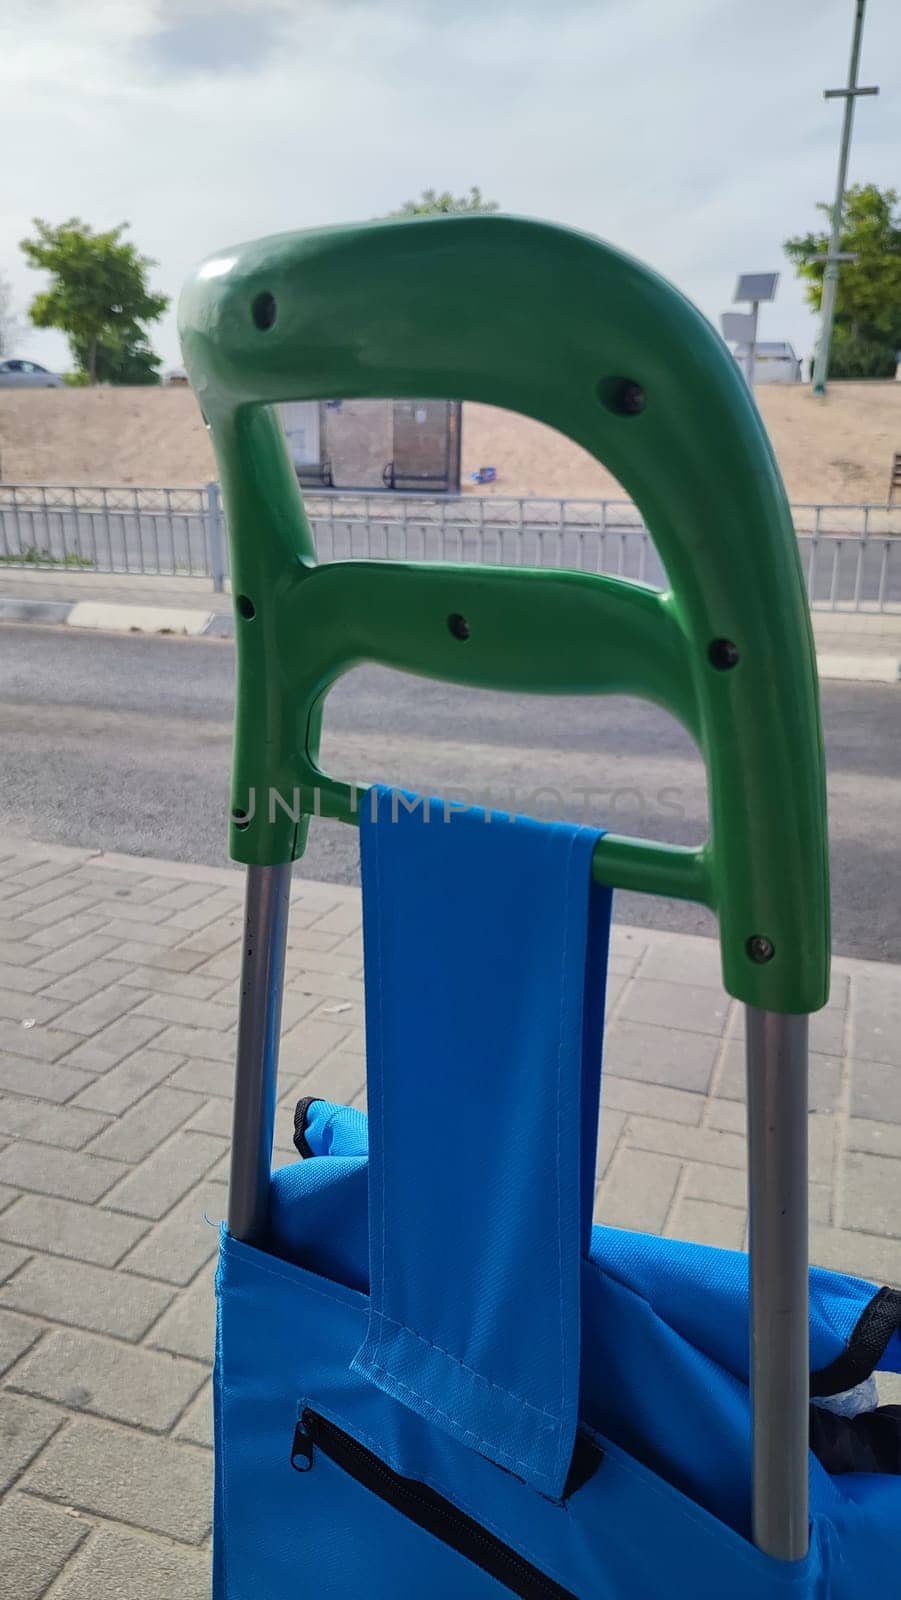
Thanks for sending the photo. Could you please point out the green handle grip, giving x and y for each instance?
(555, 324)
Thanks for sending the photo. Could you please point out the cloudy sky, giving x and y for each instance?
(692, 133)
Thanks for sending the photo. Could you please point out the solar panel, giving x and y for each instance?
(756, 286)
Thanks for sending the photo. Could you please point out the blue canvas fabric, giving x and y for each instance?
(459, 1214)
(494, 1054)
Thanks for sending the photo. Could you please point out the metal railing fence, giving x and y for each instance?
(851, 554)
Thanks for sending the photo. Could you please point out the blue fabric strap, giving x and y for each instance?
(486, 951)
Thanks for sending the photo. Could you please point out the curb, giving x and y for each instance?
(108, 617)
(178, 621)
(46, 611)
(859, 669)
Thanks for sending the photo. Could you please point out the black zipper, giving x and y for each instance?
(422, 1505)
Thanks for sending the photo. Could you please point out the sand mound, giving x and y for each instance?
(836, 450)
(148, 436)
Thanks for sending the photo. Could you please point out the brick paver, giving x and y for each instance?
(82, 1296)
(161, 1485)
(118, 1003)
(37, 1540)
(65, 1228)
(17, 1334)
(145, 1388)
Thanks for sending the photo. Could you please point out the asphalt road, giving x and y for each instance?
(123, 743)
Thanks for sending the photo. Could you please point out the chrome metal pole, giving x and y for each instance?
(752, 348)
(259, 1024)
(778, 1249)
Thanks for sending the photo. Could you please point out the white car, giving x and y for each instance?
(27, 375)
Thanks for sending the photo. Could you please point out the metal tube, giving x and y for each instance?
(777, 1206)
(812, 567)
(259, 1023)
(140, 530)
(45, 521)
(16, 508)
(108, 533)
(858, 574)
(156, 546)
(91, 517)
(752, 348)
(833, 587)
(107, 530)
(883, 575)
(61, 522)
(152, 512)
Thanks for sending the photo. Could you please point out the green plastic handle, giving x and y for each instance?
(564, 328)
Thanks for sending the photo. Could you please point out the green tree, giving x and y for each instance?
(127, 361)
(867, 329)
(431, 203)
(98, 296)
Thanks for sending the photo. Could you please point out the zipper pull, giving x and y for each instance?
(302, 1447)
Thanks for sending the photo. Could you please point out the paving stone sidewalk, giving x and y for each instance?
(118, 1008)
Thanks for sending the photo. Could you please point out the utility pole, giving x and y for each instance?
(835, 255)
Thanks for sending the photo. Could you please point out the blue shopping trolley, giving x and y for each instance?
(434, 1378)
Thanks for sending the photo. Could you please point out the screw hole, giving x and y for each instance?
(264, 311)
(723, 655)
(246, 607)
(458, 626)
(623, 396)
(240, 819)
(760, 949)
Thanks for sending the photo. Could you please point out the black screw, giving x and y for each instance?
(458, 626)
(240, 819)
(632, 399)
(623, 396)
(723, 655)
(246, 607)
(760, 949)
(264, 311)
